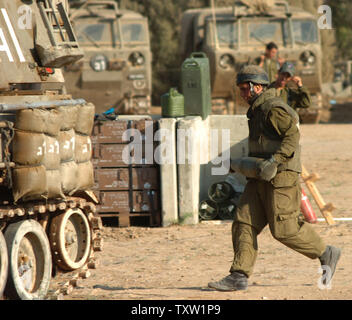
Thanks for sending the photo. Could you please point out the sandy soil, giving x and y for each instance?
(177, 262)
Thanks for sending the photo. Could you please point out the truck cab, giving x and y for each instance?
(237, 35)
(116, 69)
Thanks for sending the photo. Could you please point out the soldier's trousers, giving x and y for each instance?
(276, 203)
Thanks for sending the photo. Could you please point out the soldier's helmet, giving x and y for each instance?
(254, 74)
(289, 68)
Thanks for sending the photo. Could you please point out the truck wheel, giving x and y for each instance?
(4, 264)
(70, 239)
(29, 261)
(208, 210)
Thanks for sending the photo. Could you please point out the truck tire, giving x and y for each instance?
(4, 264)
(70, 239)
(30, 263)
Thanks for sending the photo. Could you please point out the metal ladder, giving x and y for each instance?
(50, 16)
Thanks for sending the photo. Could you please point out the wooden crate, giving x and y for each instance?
(113, 131)
(122, 155)
(118, 178)
(129, 192)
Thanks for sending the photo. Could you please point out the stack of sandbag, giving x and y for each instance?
(52, 151)
(67, 141)
(36, 152)
(76, 148)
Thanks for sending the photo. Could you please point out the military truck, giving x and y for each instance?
(116, 69)
(237, 35)
(48, 225)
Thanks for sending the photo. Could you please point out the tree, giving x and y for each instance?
(341, 16)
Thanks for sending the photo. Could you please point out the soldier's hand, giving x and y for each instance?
(297, 80)
(267, 169)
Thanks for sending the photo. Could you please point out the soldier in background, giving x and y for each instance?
(269, 61)
(273, 196)
(296, 98)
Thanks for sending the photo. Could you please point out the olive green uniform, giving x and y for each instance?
(273, 131)
(270, 66)
(295, 98)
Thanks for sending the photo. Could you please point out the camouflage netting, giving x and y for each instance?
(52, 151)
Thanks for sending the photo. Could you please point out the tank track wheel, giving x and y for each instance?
(70, 239)
(30, 263)
(4, 263)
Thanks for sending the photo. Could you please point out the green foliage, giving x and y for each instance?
(327, 37)
(341, 16)
(164, 28)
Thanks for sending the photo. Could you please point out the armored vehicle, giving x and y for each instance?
(48, 225)
(116, 69)
(237, 35)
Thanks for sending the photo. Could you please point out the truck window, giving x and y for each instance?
(305, 31)
(89, 33)
(133, 32)
(226, 31)
(264, 32)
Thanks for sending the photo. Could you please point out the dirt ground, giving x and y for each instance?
(177, 262)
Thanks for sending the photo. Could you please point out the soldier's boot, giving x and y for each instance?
(328, 262)
(232, 282)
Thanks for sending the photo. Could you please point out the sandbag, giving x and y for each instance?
(51, 159)
(53, 123)
(53, 183)
(29, 183)
(85, 176)
(69, 116)
(67, 141)
(68, 175)
(83, 148)
(28, 148)
(39, 120)
(85, 119)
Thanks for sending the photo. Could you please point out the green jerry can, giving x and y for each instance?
(195, 77)
(172, 104)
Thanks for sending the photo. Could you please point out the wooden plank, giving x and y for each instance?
(109, 155)
(112, 179)
(124, 219)
(145, 178)
(109, 131)
(325, 209)
(114, 201)
(108, 215)
(141, 201)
